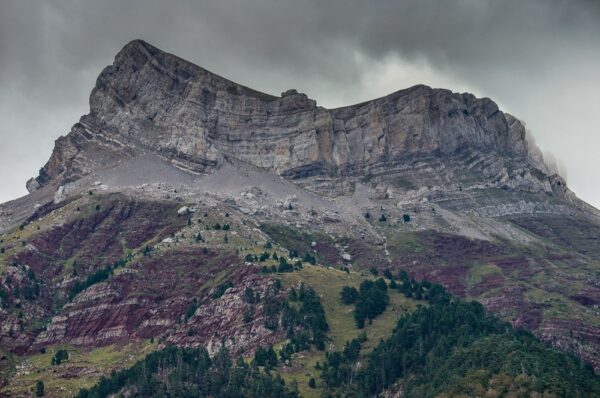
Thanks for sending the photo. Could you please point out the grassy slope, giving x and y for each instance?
(328, 283)
(81, 370)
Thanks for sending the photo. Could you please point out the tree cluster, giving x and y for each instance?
(191, 372)
(372, 300)
(453, 348)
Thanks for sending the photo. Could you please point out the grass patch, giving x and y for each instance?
(64, 380)
(477, 272)
(399, 243)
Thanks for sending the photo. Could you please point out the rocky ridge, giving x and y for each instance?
(152, 101)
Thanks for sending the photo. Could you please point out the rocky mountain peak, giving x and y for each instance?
(152, 101)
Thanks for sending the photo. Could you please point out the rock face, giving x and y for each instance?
(152, 215)
(151, 101)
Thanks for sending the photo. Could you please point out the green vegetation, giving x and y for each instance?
(454, 357)
(454, 348)
(265, 357)
(328, 283)
(60, 356)
(372, 300)
(39, 388)
(220, 290)
(98, 276)
(191, 310)
(282, 266)
(309, 321)
(55, 379)
(250, 297)
(190, 372)
(296, 241)
(349, 295)
(305, 323)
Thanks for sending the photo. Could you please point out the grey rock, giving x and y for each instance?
(152, 101)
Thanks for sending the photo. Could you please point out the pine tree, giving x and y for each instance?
(39, 388)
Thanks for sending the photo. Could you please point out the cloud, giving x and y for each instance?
(538, 59)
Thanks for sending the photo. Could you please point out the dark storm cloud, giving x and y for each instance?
(537, 58)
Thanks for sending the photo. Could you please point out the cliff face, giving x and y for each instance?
(151, 101)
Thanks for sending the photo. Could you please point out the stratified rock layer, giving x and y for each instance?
(151, 101)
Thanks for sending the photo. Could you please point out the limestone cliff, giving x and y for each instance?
(151, 101)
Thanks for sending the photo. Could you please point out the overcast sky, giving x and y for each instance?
(538, 59)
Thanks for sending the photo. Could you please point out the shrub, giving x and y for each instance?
(284, 266)
(264, 256)
(39, 388)
(388, 274)
(59, 357)
(249, 296)
(220, 290)
(349, 295)
(309, 259)
(191, 310)
(248, 316)
(293, 295)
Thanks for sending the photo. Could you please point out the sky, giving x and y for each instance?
(538, 59)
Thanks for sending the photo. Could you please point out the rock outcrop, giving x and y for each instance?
(151, 101)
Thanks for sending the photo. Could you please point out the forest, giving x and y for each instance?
(446, 347)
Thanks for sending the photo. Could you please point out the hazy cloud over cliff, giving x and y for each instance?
(539, 59)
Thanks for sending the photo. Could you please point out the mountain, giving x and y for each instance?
(184, 209)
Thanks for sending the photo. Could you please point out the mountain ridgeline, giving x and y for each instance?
(194, 237)
(149, 100)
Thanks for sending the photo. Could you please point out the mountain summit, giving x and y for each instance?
(151, 101)
(188, 216)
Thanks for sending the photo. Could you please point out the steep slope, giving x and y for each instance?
(152, 218)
